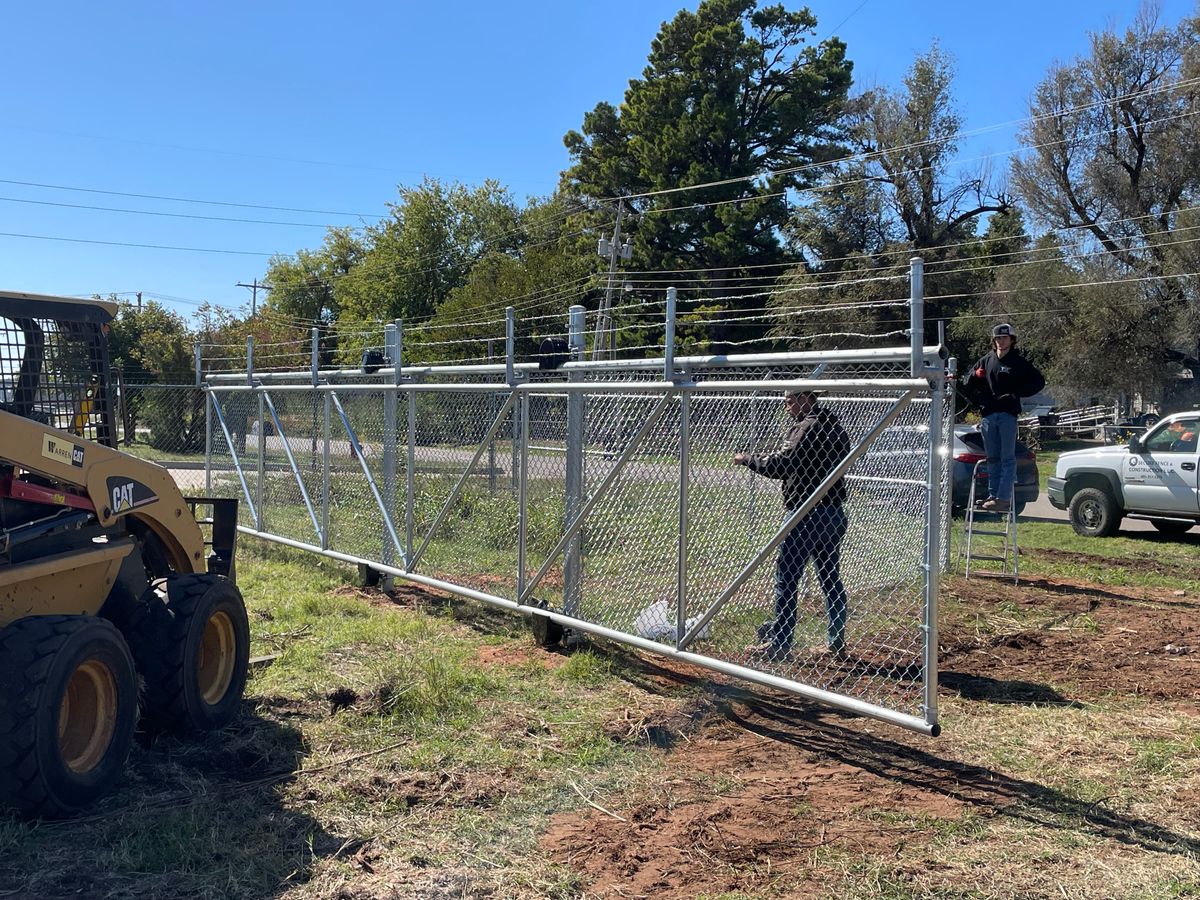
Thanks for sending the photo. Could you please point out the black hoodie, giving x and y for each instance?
(997, 385)
(810, 451)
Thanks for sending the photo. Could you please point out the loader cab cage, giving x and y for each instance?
(54, 363)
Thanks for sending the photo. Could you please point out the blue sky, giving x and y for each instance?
(322, 107)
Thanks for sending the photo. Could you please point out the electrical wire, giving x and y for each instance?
(867, 156)
(86, 190)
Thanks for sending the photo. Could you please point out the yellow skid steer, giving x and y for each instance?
(112, 604)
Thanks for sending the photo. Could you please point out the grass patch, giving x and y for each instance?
(426, 742)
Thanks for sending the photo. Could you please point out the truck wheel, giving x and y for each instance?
(1172, 526)
(1094, 513)
(68, 707)
(191, 640)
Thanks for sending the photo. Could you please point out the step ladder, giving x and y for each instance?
(999, 533)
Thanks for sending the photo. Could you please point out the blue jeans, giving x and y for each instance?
(818, 535)
(1000, 443)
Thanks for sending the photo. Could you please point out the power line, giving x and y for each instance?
(45, 237)
(873, 154)
(171, 215)
(87, 190)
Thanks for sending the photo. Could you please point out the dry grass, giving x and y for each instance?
(421, 747)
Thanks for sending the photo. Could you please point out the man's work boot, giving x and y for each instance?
(995, 504)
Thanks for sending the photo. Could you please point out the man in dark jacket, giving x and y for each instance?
(810, 451)
(996, 384)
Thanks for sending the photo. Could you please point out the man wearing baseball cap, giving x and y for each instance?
(812, 448)
(997, 383)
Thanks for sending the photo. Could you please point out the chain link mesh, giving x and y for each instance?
(836, 603)
(164, 423)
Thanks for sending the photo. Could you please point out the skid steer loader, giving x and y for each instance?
(111, 601)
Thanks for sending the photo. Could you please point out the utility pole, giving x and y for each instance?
(605, 343)
(254, 294)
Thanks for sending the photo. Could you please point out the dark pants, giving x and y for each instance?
(818, 535)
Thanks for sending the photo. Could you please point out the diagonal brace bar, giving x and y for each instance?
(287, 449)
(591, 501)
(237, 463)
(799, 513)
(462, 479)
(362, 462)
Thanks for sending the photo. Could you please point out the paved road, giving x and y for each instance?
(1042, 511)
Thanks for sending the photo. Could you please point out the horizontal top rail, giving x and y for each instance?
(807, 357)
(844, 385)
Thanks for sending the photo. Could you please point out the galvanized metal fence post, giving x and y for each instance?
(949, 415)
(684, 472)
(491, 415)
(209, 399)
(314, 373)
(391, 349)
(510, 345)
(262, 438)
(933, 541)
(669, 338)
(523, 494)
(325, 481)
(916, 315)
(572, 558)
(207, 419)
(410, 492)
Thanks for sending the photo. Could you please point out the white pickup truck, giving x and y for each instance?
(1154, 476)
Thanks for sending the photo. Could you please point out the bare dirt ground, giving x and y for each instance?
(769, 795)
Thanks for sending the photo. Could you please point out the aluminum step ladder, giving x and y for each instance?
(999, 533)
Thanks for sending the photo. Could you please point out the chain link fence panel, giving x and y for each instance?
(613, 502)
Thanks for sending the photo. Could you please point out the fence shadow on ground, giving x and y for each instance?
(819, 732)
(833, 735)
(995, 690)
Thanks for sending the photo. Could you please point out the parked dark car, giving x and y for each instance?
(967, 450)
(901, 453)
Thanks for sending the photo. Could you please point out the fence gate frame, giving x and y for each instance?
(675, 391)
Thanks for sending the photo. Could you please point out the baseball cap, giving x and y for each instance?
(1003, 330)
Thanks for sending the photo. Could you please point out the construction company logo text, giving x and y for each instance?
(65, 452)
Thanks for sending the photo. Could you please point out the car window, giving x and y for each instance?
(1177, 437)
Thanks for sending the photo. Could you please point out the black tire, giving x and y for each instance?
(1020, 507)
(68, 709)
(1172, 527)
(1094, 513)
(191, 639)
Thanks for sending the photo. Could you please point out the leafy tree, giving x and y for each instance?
(1114, 156)
(425, 249)
(151, 344)
(544, 274)
(1031, 288)
(897, 196)
(305, 287)
(909, 139)
(731, 94)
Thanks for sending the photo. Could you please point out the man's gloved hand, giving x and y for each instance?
(980, 373)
